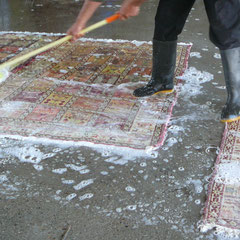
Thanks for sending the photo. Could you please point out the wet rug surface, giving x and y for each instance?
(83, 92)
(222, 209)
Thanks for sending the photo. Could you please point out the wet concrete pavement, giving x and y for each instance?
(160, 198)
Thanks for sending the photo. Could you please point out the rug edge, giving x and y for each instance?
(205, 224)
(87, 39)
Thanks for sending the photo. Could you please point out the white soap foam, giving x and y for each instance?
(59, 170)
(217, 56)
(171, 141)
(193, 82)
(175, 129)
(124, 154)
(52, 60)
(29, 154)
(222, 233)
(228, 172)
(130, 189)
(86, 196)
(38, 167)
(75, 167)
(198, 184)
(63, 71)
(71, 196)
(195, 54)
(10, 106)
(197, 201)
(181, 169)
(83, 184)
(58, 191)
(84, 171)
(119, 210)
(69, 182)
(131, 207)
(3, 178)
(143, 164)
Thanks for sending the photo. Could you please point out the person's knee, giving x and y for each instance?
(225, 39)
(224, 18)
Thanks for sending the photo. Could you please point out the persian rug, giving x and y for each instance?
(83, 92)
(222, 210)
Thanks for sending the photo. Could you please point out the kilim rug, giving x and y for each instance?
(222, 209)
(83, 92)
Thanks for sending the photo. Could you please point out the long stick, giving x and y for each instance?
(16, 61)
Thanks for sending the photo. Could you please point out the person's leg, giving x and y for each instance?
(224, 18)
(169, 21)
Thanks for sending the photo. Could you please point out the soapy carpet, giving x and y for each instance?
(82, 92)
(222, 210)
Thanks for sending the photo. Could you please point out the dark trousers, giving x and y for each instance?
(223, 15)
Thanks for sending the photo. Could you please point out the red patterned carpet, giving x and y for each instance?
(222, 209)
(83, 92)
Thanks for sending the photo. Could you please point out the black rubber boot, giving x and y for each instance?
(231, 67)
(163, 67)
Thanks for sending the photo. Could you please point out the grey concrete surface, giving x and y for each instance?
(167, 194)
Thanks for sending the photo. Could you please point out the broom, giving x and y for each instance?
(5, 67)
